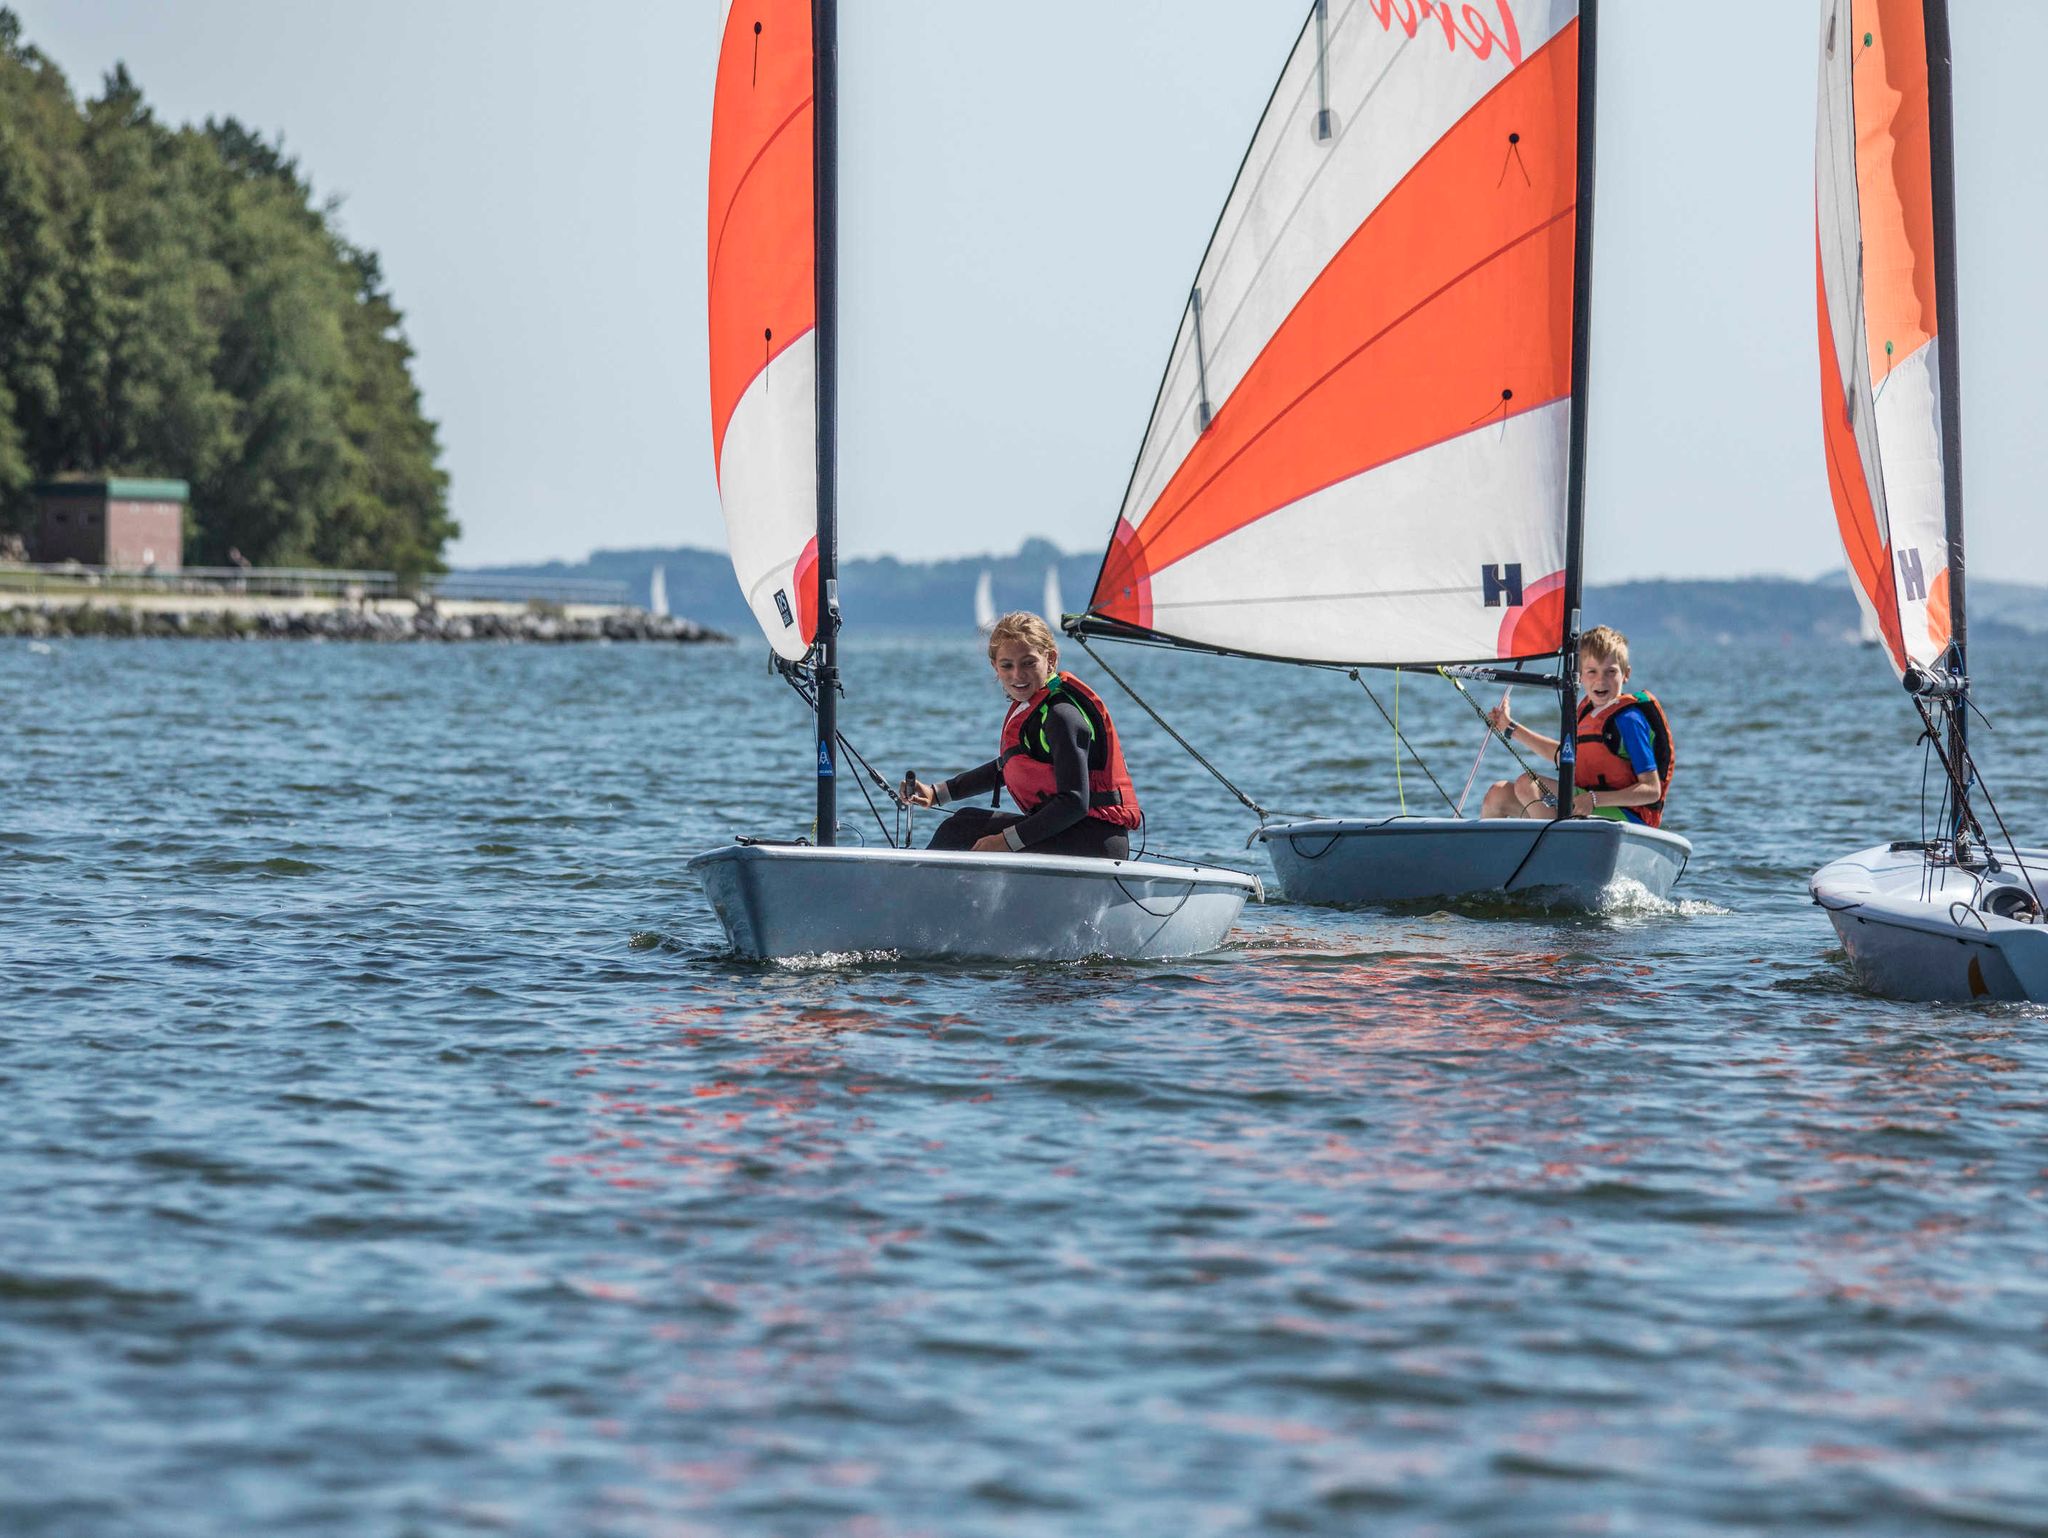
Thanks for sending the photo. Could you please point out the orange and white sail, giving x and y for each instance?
(762, 266)
(1879, 348)
(1359, 449)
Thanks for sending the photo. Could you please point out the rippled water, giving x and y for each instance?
(389, 1148)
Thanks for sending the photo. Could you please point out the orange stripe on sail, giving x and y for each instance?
(761, 260)
(1448, 310)
(1894, 180)
(1870, 556)
(1937, 611)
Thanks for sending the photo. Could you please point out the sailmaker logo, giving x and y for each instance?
(1465, 24)
(1912, 575)
(782, 608)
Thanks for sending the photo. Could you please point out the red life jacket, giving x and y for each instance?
(1601, 763)
(1026, 755)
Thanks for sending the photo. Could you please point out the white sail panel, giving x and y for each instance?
(769, 492)
(1448, 513)
(761, 265)
(1880, 381)
(1908, 417)
(1392, 270)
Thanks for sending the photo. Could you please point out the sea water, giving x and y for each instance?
(389, 1146)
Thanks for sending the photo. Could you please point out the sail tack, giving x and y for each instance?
(762, 267)
(1359, 449)
(1879, 347)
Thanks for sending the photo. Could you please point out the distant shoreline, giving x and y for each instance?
(221, 617)
(884, 593)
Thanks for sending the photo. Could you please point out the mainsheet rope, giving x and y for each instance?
(1394, 721)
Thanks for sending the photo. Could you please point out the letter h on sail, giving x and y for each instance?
(1912, 579)
(1502, 582)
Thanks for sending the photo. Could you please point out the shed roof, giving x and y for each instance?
(118, 489)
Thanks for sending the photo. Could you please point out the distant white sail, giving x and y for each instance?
(657, 594)
(985, 603)
(1055, 605)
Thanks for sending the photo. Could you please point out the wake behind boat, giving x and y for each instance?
(774, 388)
(1368, 446)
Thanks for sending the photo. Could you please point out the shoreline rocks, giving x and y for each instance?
(534, 623)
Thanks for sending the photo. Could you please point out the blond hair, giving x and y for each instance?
(1606, 642)
(1028, 628)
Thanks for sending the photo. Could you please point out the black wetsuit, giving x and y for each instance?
(1058, 825)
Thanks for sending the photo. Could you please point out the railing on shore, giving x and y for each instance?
(66, 577)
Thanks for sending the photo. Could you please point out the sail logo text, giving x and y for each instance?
(1465, 24)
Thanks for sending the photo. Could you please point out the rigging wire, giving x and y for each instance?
(791, 674)
(1955, 792)
(1258, 811)
(1186, 746)
(1358, 677)
(2026, 875)
(1480, 710)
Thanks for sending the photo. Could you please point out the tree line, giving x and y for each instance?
(173, 303)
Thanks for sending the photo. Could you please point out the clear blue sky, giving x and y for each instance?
(1027, 190)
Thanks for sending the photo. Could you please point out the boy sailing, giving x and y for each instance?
(1624, 754)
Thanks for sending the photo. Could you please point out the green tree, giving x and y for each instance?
(174, 302)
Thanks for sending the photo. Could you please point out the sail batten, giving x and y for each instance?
(1385, 314)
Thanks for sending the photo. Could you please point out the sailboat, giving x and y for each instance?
(1055, 603)
(1959, 915)
(774, 332)
(1368, 447)
(984, 603)
(657, 593)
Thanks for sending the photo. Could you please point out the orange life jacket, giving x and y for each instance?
(1601, 763)
(1026, 755)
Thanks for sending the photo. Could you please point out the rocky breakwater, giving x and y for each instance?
(469, 622)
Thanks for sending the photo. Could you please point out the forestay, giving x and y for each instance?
(762, 268)
(1879, 348)
(1358, 452)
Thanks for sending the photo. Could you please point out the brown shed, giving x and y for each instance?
(134, 525)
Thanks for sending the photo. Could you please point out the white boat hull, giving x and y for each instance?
(1573, 863)
(1920, 931)
(780, 901)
